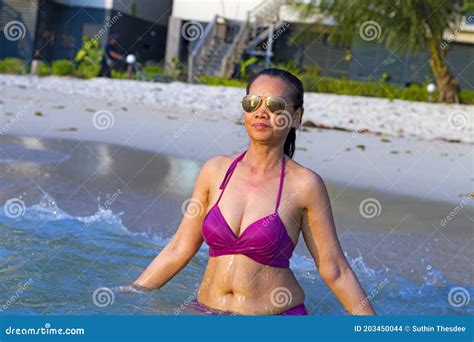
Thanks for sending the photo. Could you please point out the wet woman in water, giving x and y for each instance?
(253, 207)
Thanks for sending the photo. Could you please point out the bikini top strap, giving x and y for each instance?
(282, 176)
(229, 173)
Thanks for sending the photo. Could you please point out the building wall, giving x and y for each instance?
(205, 10)
(61, 28)
(371, 60)
(20, 43)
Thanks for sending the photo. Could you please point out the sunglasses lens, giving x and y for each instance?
(275, 104)
(250, 103)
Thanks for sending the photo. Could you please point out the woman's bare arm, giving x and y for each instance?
(320, 235)
(188, 238)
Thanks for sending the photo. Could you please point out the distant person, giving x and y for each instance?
(110, 57)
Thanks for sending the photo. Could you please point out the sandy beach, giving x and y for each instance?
(198, 122)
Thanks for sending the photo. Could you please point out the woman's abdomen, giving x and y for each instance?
(239, 284)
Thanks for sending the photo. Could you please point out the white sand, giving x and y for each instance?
(188, 121)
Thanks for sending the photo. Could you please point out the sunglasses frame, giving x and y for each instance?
(265, 99)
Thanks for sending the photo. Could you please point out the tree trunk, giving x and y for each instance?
(448, 86)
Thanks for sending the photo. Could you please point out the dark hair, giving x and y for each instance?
(297, 94)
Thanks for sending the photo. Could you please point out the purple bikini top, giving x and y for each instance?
(265, 240)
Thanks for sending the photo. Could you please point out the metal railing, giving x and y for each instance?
(201, 46)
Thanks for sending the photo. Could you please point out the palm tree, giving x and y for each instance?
(406, 25)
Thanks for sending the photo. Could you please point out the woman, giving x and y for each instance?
(254, 206)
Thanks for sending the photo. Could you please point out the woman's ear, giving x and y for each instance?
(298, 117)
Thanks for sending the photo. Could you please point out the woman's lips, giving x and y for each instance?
(260, 126)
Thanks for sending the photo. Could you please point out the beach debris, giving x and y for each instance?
(394, 152)
(302, 148)
(38, 113)
(171, 117)
(407, 151)
(70, 129)
(385, 140)
(239, 122)
(8, 113)
(468, 195)
(90, 110)
(58, 107)
(309, 123)
(124, 109)
(361, 147)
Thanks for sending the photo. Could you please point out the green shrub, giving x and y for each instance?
(62, 67)
(152, 71)
(87, 60)
(12, 66)
(119, 74)
(221, 81)
(86, 71)
(466, 96)
(44, 69)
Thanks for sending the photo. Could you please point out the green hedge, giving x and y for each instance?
(317, 84)
(62, 67)
(12, 66)
(221, 81)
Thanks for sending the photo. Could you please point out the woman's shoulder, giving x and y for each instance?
(214, 165)
(304, 178)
